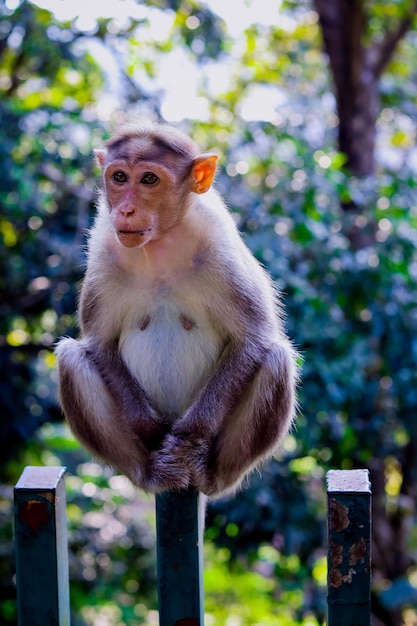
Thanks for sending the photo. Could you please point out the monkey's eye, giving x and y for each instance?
(119, 177)
(149, 179)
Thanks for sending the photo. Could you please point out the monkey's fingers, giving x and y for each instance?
(197, 455)
(167, 468)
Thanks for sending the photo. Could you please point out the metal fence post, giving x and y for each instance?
(349, 540)
(179, 535)
(41, 547)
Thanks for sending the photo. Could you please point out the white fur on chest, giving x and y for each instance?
(171, 353)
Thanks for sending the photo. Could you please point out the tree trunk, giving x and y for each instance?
(343, 23)
(358, 107)
(356, 69)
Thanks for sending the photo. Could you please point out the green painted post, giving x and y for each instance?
(41, 547)
(349, 548)
(179, 536)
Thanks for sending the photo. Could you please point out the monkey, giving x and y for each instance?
(183, 375)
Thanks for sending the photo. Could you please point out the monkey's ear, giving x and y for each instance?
(202, 172)
(100, 157)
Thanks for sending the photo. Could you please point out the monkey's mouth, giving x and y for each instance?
(133, 238)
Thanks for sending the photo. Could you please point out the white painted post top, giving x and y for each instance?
(40, 478)
(351, 481)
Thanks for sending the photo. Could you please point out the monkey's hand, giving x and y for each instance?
(167, 467)
(188, 456)
(148, 427)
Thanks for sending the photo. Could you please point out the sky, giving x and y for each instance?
(238, 14)
(181, 89)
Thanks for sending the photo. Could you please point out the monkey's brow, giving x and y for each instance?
(155, 149)
(170, 147)
(149, 161)
(157, 160)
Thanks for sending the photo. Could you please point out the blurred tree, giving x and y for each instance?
(360, 38)
(42, 96)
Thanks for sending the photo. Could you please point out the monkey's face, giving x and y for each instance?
(146, 199)
(149, 184)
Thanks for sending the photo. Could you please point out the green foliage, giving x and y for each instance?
(43, 147)
(244, 597)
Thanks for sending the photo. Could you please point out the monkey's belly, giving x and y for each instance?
(172, 357)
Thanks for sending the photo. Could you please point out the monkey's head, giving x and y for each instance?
(150, 173)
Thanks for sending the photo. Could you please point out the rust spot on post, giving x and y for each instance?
(336, 555)
(34, 514)
(335, 578)
(336, 560)
(357, 552)
(349, 576)
(339, 516)
(187, 621)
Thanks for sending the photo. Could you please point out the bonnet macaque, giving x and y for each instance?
(183, 375)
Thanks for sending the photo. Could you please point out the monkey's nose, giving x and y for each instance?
(127, 210)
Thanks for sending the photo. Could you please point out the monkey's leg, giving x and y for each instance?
(253, 429)
(91, 414)
(172, 472)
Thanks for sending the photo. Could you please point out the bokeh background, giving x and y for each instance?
(313, 108)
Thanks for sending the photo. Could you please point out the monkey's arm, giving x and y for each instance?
(247, 405)
(237, 368)
(236, 422)
(108, 412)
(249, 316)
(142, 419)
